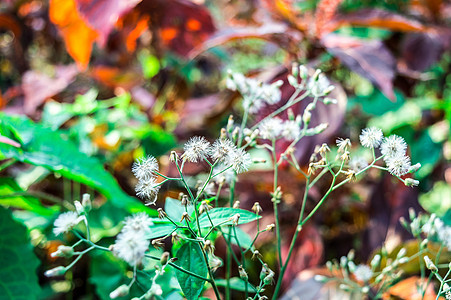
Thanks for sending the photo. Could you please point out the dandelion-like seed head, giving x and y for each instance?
(131, 247)
(291, 130)
(343, 144)
(145, 167)
(393, 146)
(138, 223)
(241, 160)
(66, 221)
(270, 93)
(363, 273)
(221, 149)
(196, 148)
(371, 137)
(398, 165)
(271, 128)
(147, 189)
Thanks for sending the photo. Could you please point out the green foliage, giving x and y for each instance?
(18, 263)
(42, 146)
(190, 258)
(220, 215)
(438, 200)
(236, 284)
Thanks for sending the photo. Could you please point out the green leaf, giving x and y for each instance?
(426, 152)
(157, 141)
(243, 238)
(190, 258)
(236, 284)
(18, 263)
(222, 214)
(42, 146)
(160, 229)
(11, 195)
(408, 114)
(175, 209)
(438, 200)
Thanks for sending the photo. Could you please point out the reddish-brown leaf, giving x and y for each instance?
(114, 77)
(377, 18)
(407, 289)
(102, 15)
(422, 50)
(325, 12)
(37, 87)
(370, 59)
(78, 36)
(284, 10)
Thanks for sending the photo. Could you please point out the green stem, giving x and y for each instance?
(275, 200)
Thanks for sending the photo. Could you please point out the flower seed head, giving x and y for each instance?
(196, 148)
(371, 137)
(145, 167)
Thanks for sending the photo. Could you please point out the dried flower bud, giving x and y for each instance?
(185, 200)
(121, 291)
(223, 134)
(86, 202)
(256, 254)
(264, 271)
(164, 258)
(204, 207)
(323, 149)
(174, 156)
(175, 237)
(235, 219)
(185, 216)
(208, 246)
(215, 262)
(161, 213)
(269, 279)
(256, 208)
(58, 271)
(230, 124)
(158, 243)
(243, 274)
(236, 204)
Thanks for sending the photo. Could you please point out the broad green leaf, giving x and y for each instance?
(18, 263)
(157, 141)
(437, 200)
(244, 239)
(42, 146)
(11, 195)
(160, 229)
(426, 152)
(408, 114)
(236, 284)
(223, 214)
(190, 258)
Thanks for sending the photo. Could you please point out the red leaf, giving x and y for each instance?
(102, 15)
(37, 87)
(407, 289)
(378, 18)
(370, 59)
(422, 50)
(325, 12)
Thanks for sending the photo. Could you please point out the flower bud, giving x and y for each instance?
(121, 291)
(230, 124)
(292, 81)
(164, 258)
(264, 271)
(79, 208)
(411, 182)
(235, 219)
(256, 254)
(295, 69)
(185, 216)
(55, 272)
(269, 279)
(236, 204)
(256, 208)
(306, 117)
(63, 251)
(320, 278)
(401, 253)
(414, 168)
(243, 274)
(270, 227)
(86, 202)
(208, 246)
(204, 207)
(303, 72)
(430, 265)
(328, 101)
(424, 244)
(161, 213)
(175, 237)
(375, 261)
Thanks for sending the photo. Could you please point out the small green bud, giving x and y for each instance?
(430, 265)
(243, 274)
(121, 291)
(63, 251)
(164, 258)
(58, 271)
(86, 202)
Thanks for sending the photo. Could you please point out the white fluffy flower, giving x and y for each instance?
(393, 146)
(147, 189)
(145, 167)
(66, 221)
(241, 160)
(131, 247)
(270, 93)
(291, 130)
(196, 148)
(271, 128)
(363, 273)
(320, 86)
(221, 150)
(138, 223)
(398, 165)
(358, 163)
(371, 137)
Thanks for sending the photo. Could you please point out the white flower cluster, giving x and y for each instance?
(435, 226)
(275, 128)
(145, 170)
(222, 150)
(363, 273)
(393, 148)
(66, 221)
(132, 243)
(254, 92)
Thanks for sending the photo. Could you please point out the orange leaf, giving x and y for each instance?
(115, 77)
(78, 36)
(325, 12)
(407, 289)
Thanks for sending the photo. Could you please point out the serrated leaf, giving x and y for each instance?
(221, 214)
(42, 146)
(190, 258)
(18, 263)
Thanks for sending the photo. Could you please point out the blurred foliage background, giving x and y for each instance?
(88, 86)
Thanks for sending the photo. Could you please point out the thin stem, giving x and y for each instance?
(7, 163)
(275, 200)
